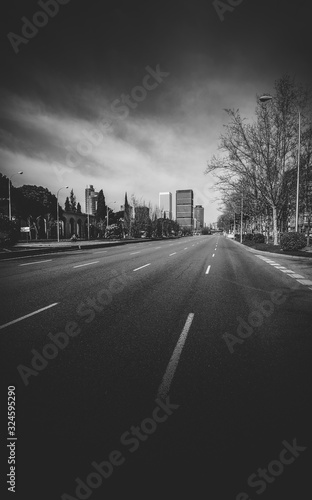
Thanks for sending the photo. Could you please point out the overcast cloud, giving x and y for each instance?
(60, 86)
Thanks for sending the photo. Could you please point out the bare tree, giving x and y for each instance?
(260, 155)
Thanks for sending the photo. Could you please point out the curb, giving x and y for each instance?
(14, 254)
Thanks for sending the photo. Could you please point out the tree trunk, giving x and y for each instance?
(275, 232)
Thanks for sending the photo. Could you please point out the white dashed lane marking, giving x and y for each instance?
(37, 262)
(87, 264)
(28, 315)
(173, 363)
(137, 269)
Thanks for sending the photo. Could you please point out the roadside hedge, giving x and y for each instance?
(293, 241)
(9, 231)
(254, 237)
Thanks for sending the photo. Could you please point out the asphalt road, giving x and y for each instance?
(182, 367)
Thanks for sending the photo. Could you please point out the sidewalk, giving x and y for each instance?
(308, 251)
(24, 249)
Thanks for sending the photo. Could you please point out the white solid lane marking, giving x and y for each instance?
(38, 262)
(141, 267)
(28, 315)
(208, 269)
(173, 363)
(87, 264)
(172, 254)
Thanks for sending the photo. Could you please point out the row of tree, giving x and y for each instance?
(71, 204)
(32, 204)
(257, 168)
(29, 203)
(136, 220)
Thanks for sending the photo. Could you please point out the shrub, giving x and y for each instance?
(251, 238)
(293, 241)
(258, 238)
(9, 231)
(248, 237)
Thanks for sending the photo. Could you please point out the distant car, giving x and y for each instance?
(231, 236)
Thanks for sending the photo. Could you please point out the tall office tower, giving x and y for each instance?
(199, 216)
(165, 204)
(91, 200)
(184, 208)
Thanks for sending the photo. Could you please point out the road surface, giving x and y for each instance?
(158, 369)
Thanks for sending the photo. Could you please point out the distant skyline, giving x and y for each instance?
(130, 97)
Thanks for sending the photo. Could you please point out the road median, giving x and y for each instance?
(30, 249)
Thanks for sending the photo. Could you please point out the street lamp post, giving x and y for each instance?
(10, 209)
(241, 225)
(162, 213)
(298, 171)
(57, 213)
(265, 98)
(88, 222)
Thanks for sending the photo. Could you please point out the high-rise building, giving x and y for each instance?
(165, 204)
(199, 216)
(91, 198)
(184, 208)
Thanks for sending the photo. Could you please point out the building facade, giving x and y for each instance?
(70, 223)
(165, 204)
(199, 216)
(184, 208)
(91, 198)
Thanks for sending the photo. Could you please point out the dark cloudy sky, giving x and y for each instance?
(58, 86)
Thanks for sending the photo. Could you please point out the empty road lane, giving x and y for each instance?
(166, 369)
